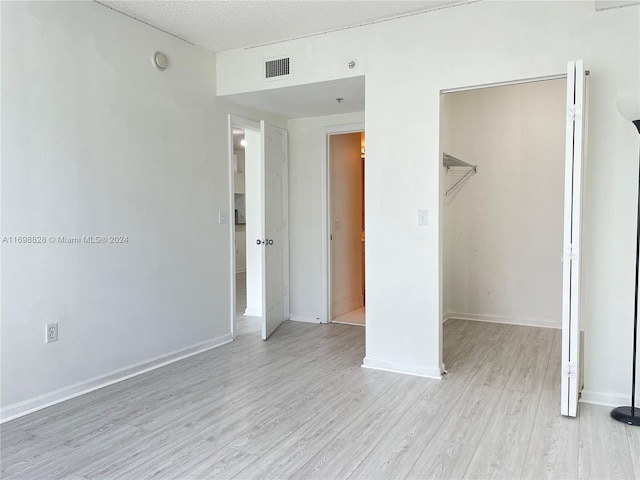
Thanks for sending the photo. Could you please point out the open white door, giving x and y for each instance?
(570, 389)
(275, 238)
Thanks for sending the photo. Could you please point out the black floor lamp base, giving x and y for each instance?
(623, 414)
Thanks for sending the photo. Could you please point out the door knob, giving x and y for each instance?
(258, 242)
(270, 242)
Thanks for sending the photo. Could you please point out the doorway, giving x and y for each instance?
(246, 223)
(511, 233)
(259, 202)
(346, 164)
(503, 164)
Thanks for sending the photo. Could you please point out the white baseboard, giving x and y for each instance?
(527, 322)
(42, 401)
(606, 399)
(398, 367)
(297, 317)
(253, 312)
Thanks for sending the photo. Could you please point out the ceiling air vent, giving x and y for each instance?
(276, 68)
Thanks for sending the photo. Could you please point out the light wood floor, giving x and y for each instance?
(300, 406)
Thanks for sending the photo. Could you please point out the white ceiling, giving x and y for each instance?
(223, 24)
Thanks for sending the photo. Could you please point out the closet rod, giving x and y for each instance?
(451, 161)
(473, 170)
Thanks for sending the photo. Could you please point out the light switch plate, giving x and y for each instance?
(223, 218)
(423, 217)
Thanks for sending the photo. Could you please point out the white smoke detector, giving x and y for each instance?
(159, 61)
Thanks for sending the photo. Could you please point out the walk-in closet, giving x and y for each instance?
(502, 154)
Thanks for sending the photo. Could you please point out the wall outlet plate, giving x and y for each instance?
(51, 333)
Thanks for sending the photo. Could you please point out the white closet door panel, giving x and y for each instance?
(570, 388)
(275, 236)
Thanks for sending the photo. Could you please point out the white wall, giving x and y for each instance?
(503, 227)
(407, 62)
(306, 139)
(253, 204)
(95, 141)
(346, 185)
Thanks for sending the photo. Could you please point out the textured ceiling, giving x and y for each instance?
(224, 25)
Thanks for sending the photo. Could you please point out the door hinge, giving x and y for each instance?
(571, 251)
(569, 370)
(575, 112)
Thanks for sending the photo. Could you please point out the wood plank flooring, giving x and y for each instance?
(300, 406)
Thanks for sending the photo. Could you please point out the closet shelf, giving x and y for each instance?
(451, 161)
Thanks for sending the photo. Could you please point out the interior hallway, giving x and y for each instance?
(354, 317)
(300, 405)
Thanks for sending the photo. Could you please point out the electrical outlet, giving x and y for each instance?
(223, 217)
(51, 333)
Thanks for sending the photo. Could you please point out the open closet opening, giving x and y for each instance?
(347, 235)
(503, 169)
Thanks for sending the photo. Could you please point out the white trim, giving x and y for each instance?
(245, 123)
(326, 251)
(399, 367)
(505, 83)
(286, 236)
(606, 399)
(349, 323)
(42, 401)
(263, 227)
(232, 230)
(297, 317)
(244, 270)
(526, 322)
